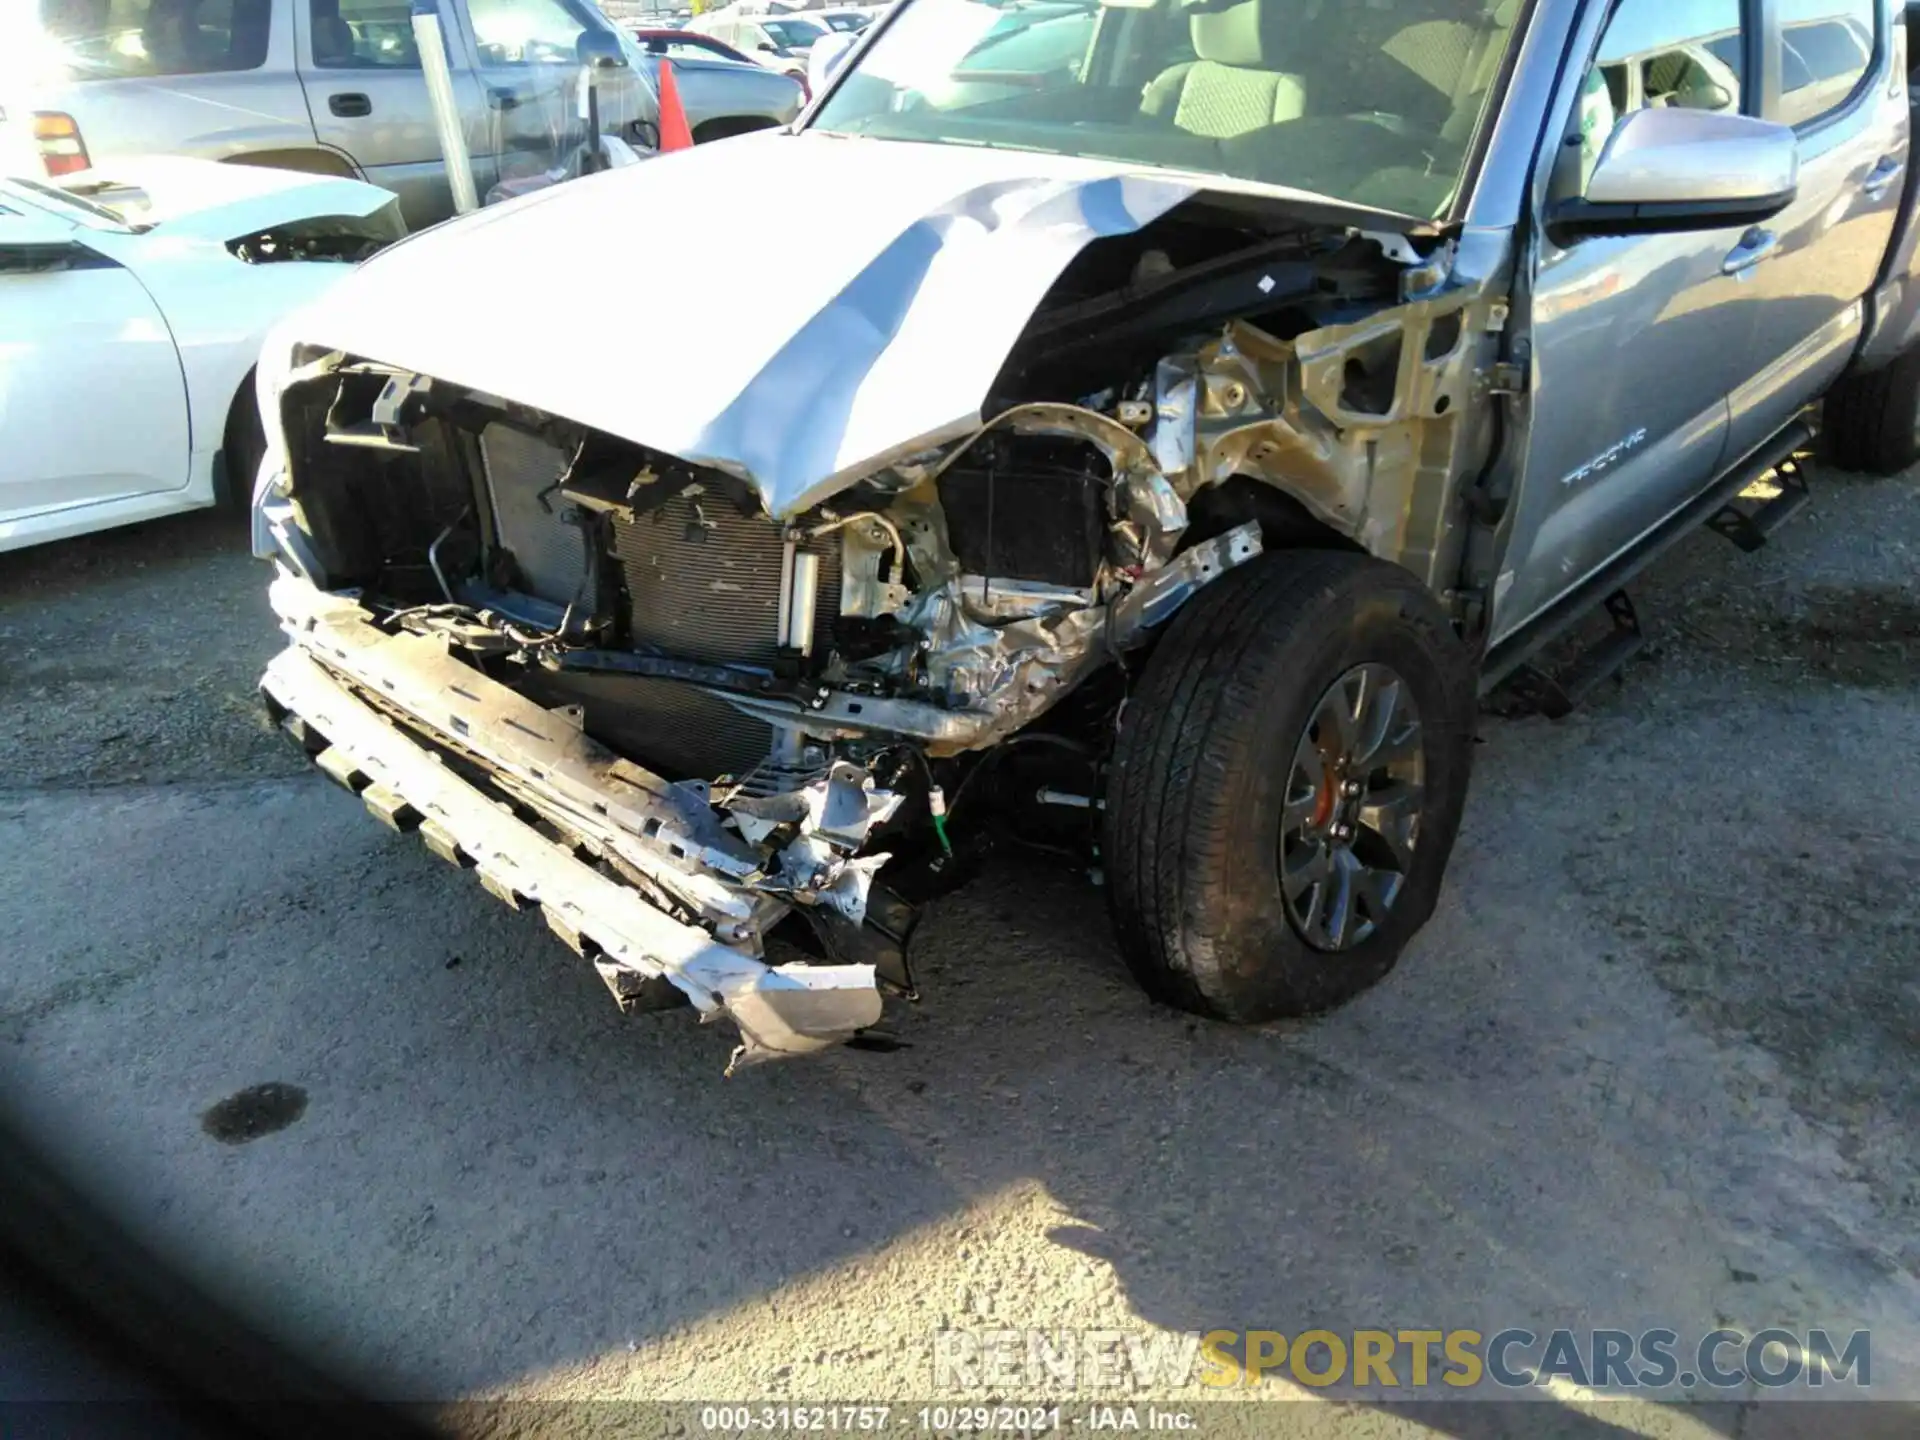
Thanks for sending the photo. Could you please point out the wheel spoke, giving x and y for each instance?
(1340, 902)
(1344, 710)
(1392, 813)
(1309, 918)
(1400, 744)
(1311, 869)
(1396, 797)
(1378, 889)
(1308, 775)
(1375, 722)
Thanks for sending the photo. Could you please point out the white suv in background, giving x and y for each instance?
(331, 87)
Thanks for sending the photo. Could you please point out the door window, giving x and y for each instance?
(525, 32)
(364, 35)
(112, 39)
(1824, 57)
(1684, 53)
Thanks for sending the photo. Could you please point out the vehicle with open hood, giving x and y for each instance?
(1192, 410)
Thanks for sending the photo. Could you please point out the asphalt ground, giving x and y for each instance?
(1652, 1063)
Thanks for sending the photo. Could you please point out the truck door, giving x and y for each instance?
(526, 53)
(361, 71)
(1638, 340)
(1843, 87)
(74, 325)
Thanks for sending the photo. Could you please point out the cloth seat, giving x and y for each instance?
(1230, 89)
(332, 36)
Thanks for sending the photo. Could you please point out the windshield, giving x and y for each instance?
(794, 34)
(1369, 103)
(690, 49)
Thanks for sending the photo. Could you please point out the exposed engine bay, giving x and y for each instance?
(337, 239)
(741, 717)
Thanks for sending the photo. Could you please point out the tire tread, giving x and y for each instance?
(1869, 419)
(1198, 702)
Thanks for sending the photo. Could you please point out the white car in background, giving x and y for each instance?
(849, 19)
(779, 41)
(133, 303)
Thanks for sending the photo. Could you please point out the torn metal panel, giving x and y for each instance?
(869, 543)
(1155, 598)
(1368, 424)
(799, 1009)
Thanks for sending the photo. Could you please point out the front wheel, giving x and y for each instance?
(245, 446)
(1286, 786)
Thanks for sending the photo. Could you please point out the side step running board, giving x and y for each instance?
(1556, 695)
(1749, 529)
(1507, 657)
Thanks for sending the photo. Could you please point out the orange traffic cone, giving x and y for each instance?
(675, 134)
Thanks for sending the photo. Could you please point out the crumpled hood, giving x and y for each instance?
(794, 310)
(203, 199)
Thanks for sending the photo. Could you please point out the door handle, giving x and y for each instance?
(349, 104)
(503, 99)
(1754, 247)
(1880, 179)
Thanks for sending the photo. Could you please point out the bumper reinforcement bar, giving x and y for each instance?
(780, 1010)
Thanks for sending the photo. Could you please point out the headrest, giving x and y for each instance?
(1231, 35)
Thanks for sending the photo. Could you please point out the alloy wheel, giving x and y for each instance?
(1351, 820)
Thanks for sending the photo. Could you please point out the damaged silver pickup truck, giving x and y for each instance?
(1167, 421)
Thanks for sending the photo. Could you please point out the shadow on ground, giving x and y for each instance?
(1649, 1066)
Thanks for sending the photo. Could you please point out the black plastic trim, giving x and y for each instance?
(1584, 217)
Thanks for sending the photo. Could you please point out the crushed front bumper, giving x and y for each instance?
(660, 834)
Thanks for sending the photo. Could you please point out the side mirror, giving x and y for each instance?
(600, 50)
(1679, 169)
(768, 46)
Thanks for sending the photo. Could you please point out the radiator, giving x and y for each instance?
(704, 581)
(521, 470)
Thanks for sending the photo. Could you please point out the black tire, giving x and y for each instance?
(1872, 421)
(243, 450)
(1201, 764)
